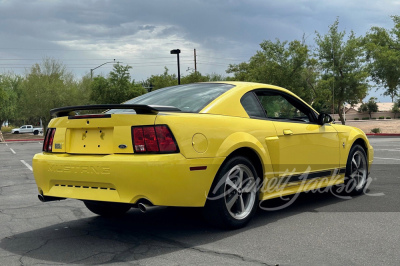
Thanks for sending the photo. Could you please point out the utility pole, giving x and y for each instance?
(195, 62)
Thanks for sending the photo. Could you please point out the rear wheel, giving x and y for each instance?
(108, 209)
(233, 197)
(356, 171)
(36, 132)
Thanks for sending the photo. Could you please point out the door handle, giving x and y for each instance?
(287, 132)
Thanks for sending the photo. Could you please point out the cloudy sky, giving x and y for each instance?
(85, 34)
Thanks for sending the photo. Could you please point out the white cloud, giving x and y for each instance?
(83, 33)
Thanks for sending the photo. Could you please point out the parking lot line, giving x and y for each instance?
(386, 149)
(386, 158)
(26, 164)
(13, 151)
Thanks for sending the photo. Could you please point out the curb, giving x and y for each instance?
(383, 134)
(20, 140)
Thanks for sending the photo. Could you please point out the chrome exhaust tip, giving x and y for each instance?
(41, 198)
(143, 207)
(44, 198)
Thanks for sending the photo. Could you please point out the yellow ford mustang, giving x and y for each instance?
(224, 146)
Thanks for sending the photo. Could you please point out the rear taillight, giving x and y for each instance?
(48, 140)
(166, 140)
(153, 139)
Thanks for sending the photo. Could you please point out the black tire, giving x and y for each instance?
(356, 171)
(16, 132)
(108, 209)
(36, 132)
(231, 204)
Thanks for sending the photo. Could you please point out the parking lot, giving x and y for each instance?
(317, 229)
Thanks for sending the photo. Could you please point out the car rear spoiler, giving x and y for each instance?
(139, 109)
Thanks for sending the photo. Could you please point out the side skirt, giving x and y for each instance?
(301, 183)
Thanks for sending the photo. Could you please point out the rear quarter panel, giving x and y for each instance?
(223, 134)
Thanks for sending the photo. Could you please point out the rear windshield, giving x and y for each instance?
(190, 98)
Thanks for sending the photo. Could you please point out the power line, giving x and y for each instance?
(74, 50)
(89, 65)
(81, 67)
(213, 64)
(222, 58)
(92, 59)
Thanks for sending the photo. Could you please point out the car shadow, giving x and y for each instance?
(138, 236)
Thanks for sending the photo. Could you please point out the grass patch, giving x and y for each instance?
(376, 130)
(388, 117)
(365, 118)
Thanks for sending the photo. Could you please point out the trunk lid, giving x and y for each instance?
(97, 135)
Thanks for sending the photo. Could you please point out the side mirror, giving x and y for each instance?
(324, 118)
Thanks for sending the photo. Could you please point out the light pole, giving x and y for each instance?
(91, 70)
(177, 52)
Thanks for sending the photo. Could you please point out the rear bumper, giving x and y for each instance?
(163, 179)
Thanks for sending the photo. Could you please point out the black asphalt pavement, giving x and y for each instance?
(316, 229)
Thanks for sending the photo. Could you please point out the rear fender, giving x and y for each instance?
(239, 140)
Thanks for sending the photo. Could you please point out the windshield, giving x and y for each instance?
(190, 98)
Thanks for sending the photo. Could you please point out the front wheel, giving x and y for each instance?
(108, 209)
(233, 198)
(356, 171)
(16, 132)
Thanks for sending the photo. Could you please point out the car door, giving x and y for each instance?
(301, 145)
(23, 129)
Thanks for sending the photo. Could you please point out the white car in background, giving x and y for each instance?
(27, 129)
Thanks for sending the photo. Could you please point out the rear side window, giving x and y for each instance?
(190, 98)
(251, 105)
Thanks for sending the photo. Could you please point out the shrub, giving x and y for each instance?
(6, 129)
(356, 118)
(381, 117)
(388, 117)
(365, 118)
(373, 118)
(376, 130)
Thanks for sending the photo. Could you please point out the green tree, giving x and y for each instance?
(117, 88)
(100, 90)
(194, 77)
(84, 88)
(285, 64)
(396, 107)
(383, 54)
(9, 88)
(369, 107)
(161, 81)
(46, 86)
(156, 82)
(343, 65)
(215, 77)
(198, 77)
